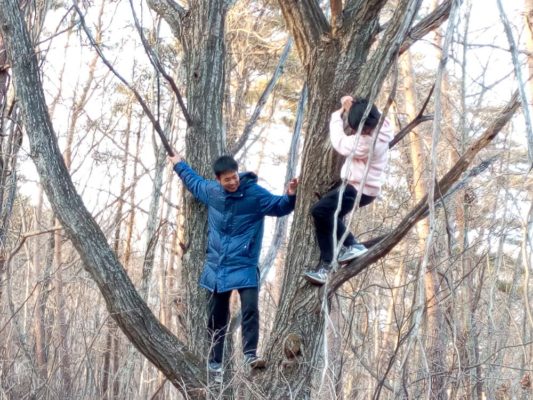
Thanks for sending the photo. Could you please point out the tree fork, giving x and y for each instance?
(126, 307)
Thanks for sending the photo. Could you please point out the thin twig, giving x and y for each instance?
(414, 123)
(139, 98)
(26, 236)
(521, 84)
(263, 99)
(154, 60)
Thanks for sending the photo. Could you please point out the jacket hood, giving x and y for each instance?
(247, 178)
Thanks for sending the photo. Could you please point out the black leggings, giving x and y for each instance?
(323, 212)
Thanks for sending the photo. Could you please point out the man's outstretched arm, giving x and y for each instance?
(278, 206)
(196, 184)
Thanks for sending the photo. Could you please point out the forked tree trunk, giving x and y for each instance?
(337, 63)
(123, 302)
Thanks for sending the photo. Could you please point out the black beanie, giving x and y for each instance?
(357, 111)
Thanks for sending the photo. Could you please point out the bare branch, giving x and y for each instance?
(171, 12)
(420, 210)
(262, 99)
(429, 23)
(415, 122)
(408, 128)
(521, 83)
(139, 98)
(154, 60)
(26, 236)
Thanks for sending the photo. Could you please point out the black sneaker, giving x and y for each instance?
(254, 362)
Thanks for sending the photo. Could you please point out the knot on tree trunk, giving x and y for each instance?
(292, 346)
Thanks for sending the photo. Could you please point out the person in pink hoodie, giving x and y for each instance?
(357, 148)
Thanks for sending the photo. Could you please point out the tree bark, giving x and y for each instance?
(200, 29)
(334, 66)
(123, 302)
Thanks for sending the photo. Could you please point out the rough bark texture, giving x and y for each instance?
(337, 62)
(200, 29)
(123, 302)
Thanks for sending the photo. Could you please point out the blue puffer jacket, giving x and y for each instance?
(235, 227)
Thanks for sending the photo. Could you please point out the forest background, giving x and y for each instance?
(101, 248)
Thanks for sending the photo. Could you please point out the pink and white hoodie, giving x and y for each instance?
(356, 149)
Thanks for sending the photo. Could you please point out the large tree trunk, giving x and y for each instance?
(200, 30)
(203, 41)
(337, 61)
(335, 65)
(123, 302)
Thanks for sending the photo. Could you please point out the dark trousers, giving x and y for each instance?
(323, 212)
(219, 317)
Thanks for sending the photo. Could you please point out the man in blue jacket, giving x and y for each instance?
(237, 206)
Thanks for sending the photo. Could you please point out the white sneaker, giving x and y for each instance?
(351, 252)
(317, 278)
(216, 371)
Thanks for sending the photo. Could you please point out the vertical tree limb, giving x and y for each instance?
(262, 99)
(521, 83)
(132, 314)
